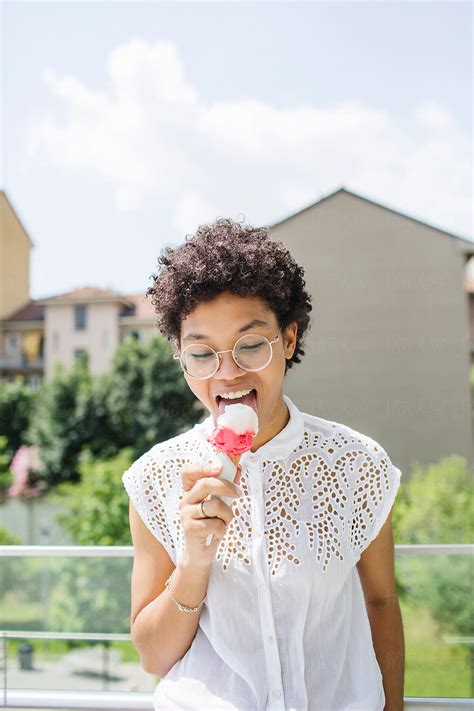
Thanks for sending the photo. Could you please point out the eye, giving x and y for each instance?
(253, 347)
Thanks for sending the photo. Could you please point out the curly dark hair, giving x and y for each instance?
(228, 256)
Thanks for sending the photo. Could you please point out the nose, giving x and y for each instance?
(228, 368)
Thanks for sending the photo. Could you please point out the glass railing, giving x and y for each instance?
(65, 621)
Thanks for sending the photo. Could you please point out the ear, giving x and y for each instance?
(175, 345)
(289, 339)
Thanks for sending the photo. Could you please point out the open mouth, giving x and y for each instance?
(250, 399)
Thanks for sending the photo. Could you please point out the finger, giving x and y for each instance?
(191, 473)
(238, 475)
(213, 508)
(211, 485)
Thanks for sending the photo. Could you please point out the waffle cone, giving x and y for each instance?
(235, 459)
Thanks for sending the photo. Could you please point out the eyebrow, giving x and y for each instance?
(251, 324)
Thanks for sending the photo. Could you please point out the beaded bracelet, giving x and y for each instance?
(183, 608)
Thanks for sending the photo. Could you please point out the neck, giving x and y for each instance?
(277, 422)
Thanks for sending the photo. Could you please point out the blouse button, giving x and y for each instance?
(262, 587)
(276, 693)
(270, 638)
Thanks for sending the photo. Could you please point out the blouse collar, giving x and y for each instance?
(280, 447)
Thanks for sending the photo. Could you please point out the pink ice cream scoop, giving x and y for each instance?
(230, 442)
(235, 431)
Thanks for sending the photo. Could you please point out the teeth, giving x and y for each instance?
(237, 394)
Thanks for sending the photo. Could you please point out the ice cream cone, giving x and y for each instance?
(235, 460)
(233, 435)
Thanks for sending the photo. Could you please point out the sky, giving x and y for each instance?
(125, 125)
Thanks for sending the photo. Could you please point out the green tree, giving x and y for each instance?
(436, 506)
(17, 402)
(63, 421)
(146, 397)
(6, 477)
(95, 510)
(143, 399)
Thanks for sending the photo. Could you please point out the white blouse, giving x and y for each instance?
(284, 625)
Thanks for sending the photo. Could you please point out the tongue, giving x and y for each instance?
(249, 399)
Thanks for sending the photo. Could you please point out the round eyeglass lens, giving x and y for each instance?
(253, 352)
(199, 360)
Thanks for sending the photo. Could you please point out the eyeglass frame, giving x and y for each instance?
(228, 350)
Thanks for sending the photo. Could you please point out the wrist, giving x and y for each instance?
(191, 568)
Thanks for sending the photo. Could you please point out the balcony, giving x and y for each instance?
(21, 364)
(69, 608)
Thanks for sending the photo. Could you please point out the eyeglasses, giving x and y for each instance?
(251, 352)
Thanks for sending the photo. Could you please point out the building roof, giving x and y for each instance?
(134, 305)
(31, 312)
(84, 294)
(466, 244)
(140, 307)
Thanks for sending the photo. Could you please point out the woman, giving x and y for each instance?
(293, 605)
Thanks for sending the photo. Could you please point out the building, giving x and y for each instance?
(15, 246)
(94, 321)
(20, 346)
(390, 346)
(59, 328)
(37, 333)
(469, 284)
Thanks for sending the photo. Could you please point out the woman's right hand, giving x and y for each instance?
(199, 483)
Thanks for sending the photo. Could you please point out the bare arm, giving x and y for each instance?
(376, 572)
(161, 633)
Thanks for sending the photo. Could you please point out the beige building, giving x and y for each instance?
(390, 346)
(94, 321)
(20, 342)
(15, 246)
(469, 284)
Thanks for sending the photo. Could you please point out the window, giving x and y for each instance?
(55, 341)
(80, 317)
(12, 344)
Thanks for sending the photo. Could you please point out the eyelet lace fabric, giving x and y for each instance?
(313, 499)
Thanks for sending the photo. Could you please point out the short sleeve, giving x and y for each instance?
(376, 482)
(143, 484)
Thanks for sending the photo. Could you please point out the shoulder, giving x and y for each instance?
(162, 461)
(339, 432)
(343, 441)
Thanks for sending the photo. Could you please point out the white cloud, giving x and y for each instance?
(432, 115)
(150, 135)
